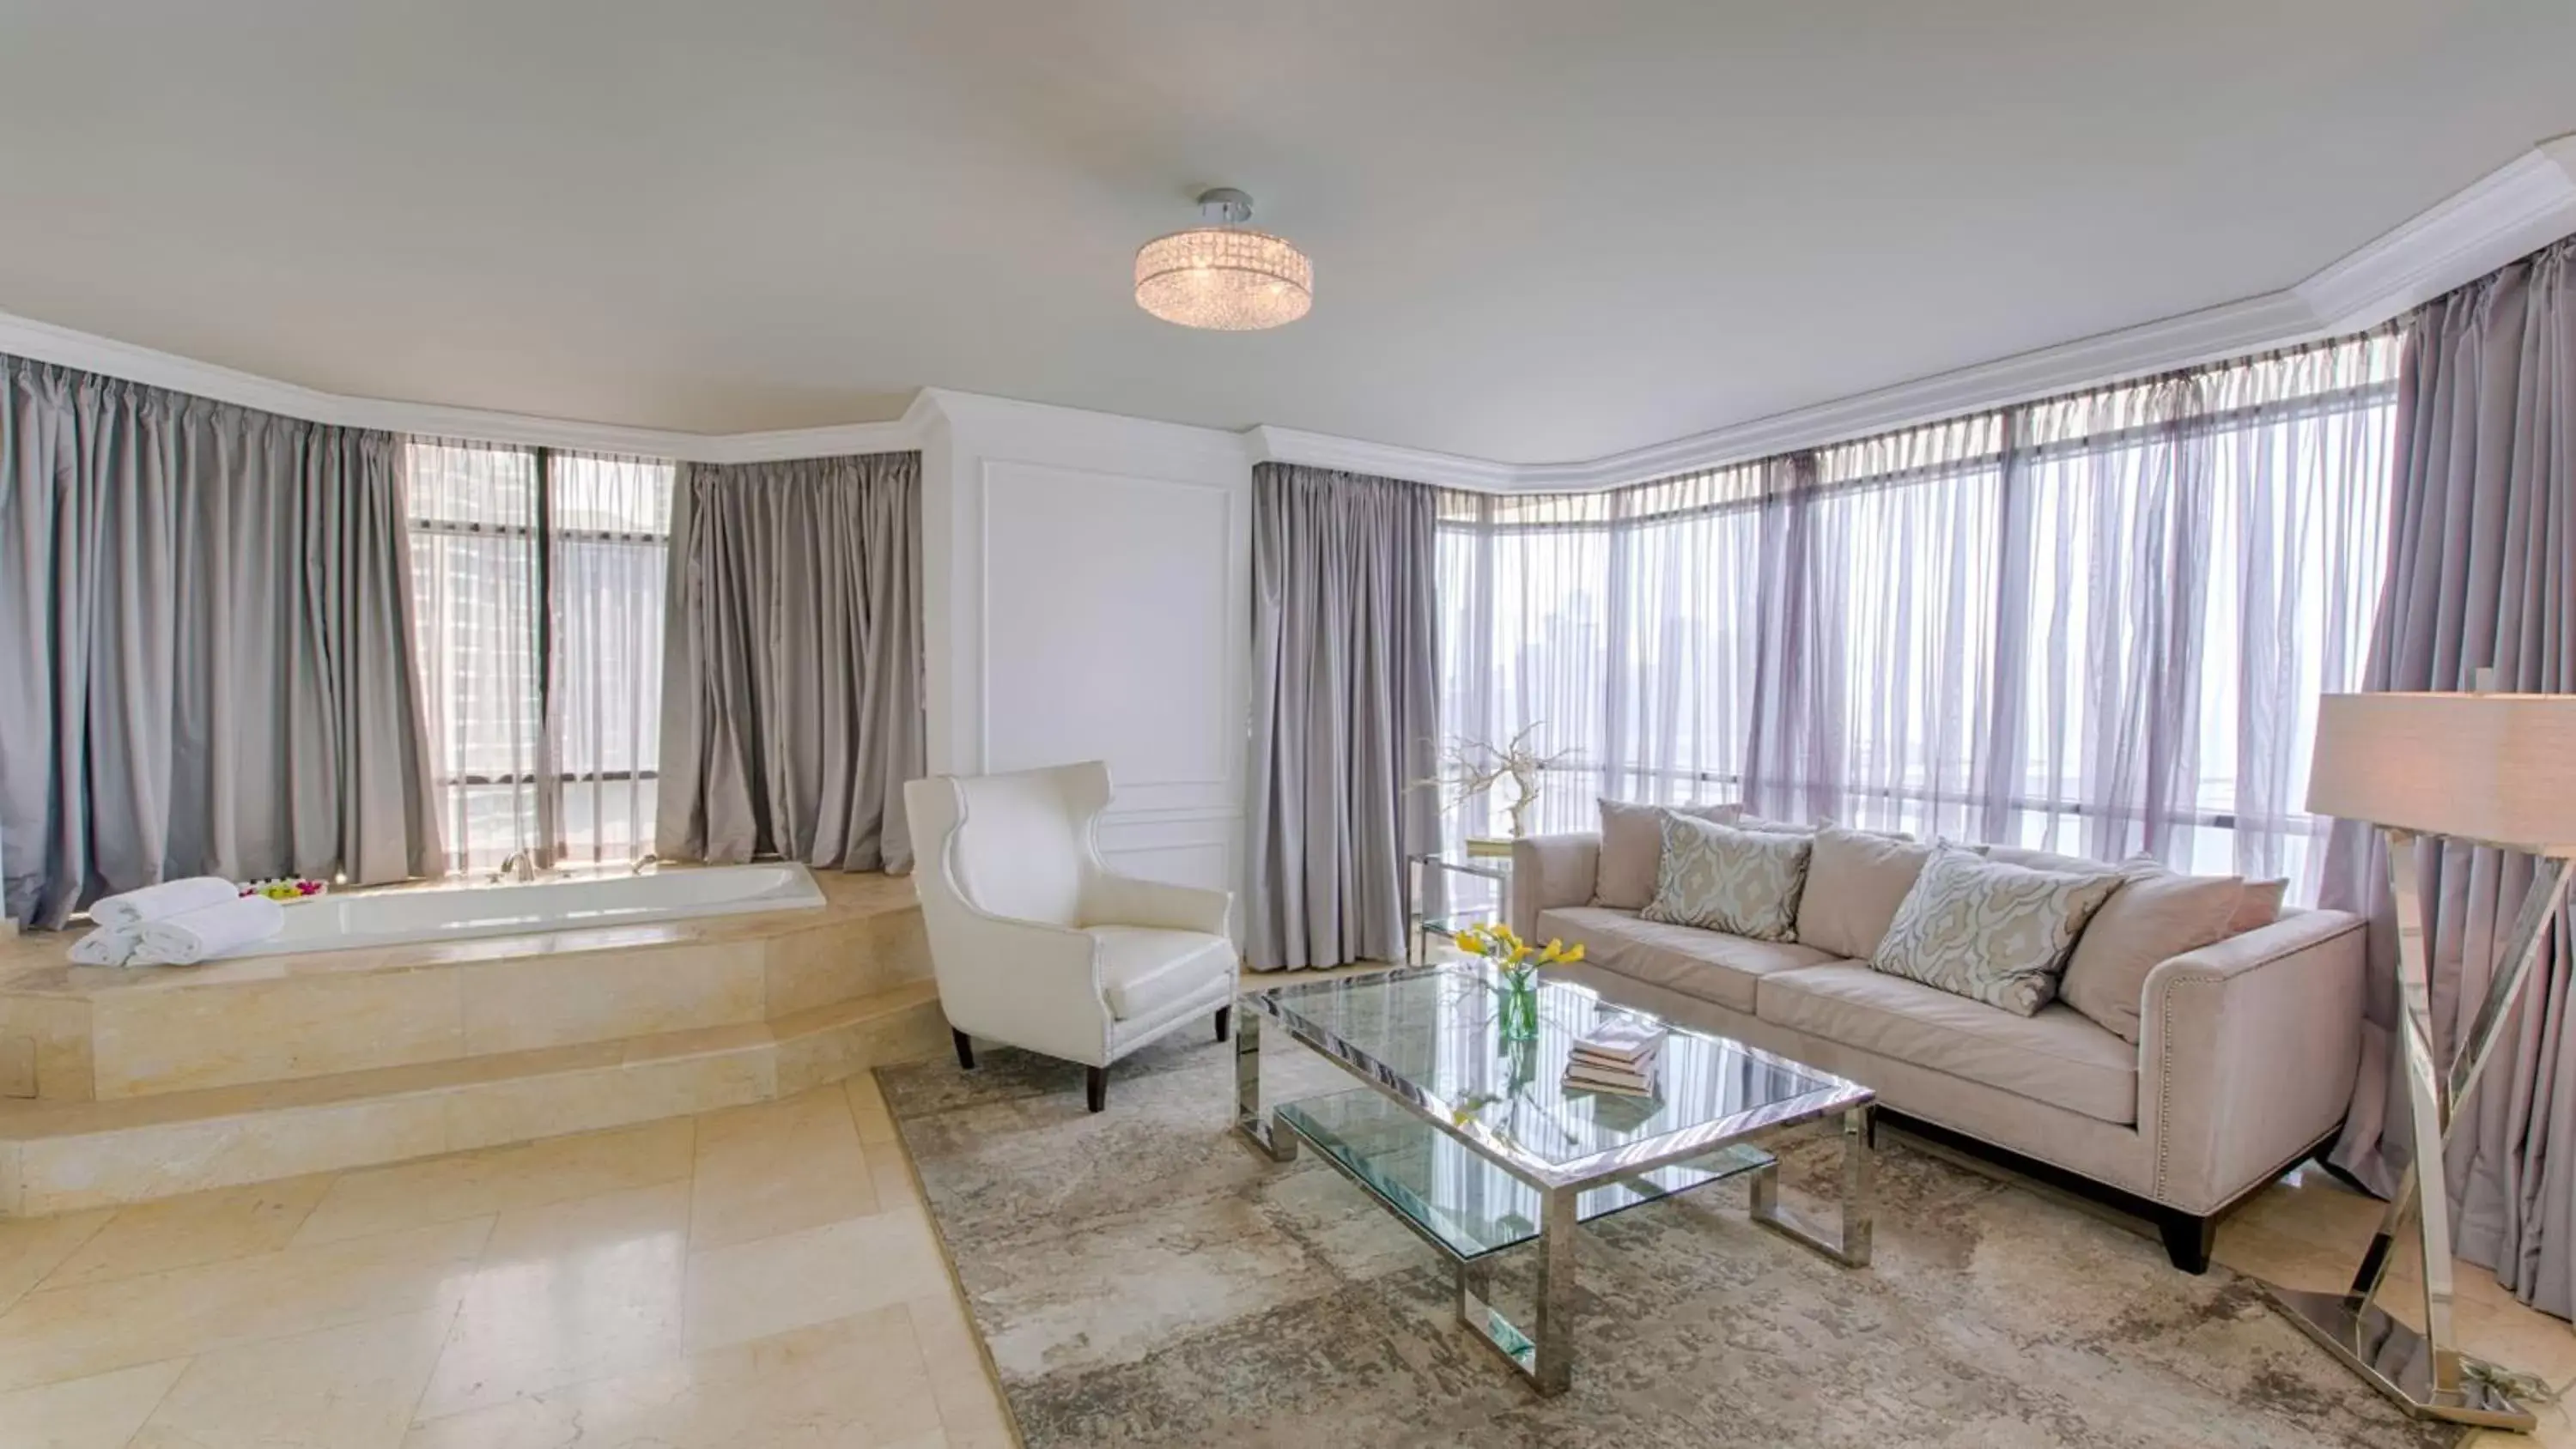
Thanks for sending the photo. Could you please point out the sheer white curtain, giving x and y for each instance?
(2097, 623)
(538, 578)
(611, 530)
(1617, 625)
(472, 512)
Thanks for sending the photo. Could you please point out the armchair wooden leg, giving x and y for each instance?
(965, 1048)
(1224, 1014)
(1096, 1087)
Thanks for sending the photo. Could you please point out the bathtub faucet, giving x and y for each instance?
(643, 863)
(521, 866)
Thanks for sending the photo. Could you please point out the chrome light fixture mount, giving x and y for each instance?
(1223, 275)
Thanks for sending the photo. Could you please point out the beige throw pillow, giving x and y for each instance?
(1990, 931)
(1718, 878)
(2044, 859)
(2259, 907)
(2154, 916)
(1855, 882)
(1632, 846)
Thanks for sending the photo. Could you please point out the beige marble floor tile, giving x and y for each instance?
(568, 1293)
(63, 1333)
(199, 1227)
(856, 1382)
(970, 1407)
(868, 1109)
(497, 1179)
(350, 1387)
(559, 1231)
(777, 1167)
(770, 1285)
(102, 1411)
(32, 1248)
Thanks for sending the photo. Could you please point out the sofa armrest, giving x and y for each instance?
(1550, 871)
(2248, 1053)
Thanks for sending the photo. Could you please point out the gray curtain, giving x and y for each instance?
(2482, 572)
(1343, 715)
(791, 681)
(206, 630)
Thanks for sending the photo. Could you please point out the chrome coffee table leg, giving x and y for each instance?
(1552, 1365)
(1257, 1126)
(1848, 1244)
(1543, 1352)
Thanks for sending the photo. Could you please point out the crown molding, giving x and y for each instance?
(1044, 428)
(45, 342)
(1267, 444)
(2203, 336)
(2519, 207)
(2515, 209)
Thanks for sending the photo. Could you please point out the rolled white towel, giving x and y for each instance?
(107, 946)
(185, 940)
(170, 898)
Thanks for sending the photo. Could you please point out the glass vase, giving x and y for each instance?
(1517, 1018)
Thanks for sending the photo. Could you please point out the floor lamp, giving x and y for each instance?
(2484, 769)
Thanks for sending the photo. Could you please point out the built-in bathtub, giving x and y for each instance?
(361, 919)
(423, 1019)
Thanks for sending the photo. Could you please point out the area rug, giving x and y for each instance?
(1142, 1279)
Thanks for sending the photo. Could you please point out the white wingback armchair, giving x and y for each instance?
(1037, 944)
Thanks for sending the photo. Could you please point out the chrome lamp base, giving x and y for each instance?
(2397, 1360)
(2424, 1370)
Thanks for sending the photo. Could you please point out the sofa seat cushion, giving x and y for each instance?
(1144, 969)
(1705, 964)
(2056, 1055)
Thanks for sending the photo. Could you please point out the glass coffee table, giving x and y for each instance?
(1477, 1144)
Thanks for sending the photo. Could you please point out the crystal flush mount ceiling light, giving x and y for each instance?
(1222, 274)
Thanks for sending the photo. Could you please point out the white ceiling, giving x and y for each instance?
(1541, 230)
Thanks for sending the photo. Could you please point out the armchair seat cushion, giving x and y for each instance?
(1706, 964)
(1144, 968)
(2057, 1055)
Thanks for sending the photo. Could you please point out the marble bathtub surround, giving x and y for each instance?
(106, 1033)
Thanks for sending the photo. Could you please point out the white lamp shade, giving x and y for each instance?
(2495, 768)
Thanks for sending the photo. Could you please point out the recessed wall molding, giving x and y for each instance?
(2522, 205)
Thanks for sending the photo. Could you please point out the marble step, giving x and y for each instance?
(64, 1156)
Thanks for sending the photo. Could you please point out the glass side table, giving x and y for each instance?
(1453, 891)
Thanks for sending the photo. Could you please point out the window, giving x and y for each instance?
(537, 581)
(2097, 624)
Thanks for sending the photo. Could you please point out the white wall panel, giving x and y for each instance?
(1110, 631)
(1087, 592)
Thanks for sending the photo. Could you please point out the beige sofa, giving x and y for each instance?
(2244, 1065)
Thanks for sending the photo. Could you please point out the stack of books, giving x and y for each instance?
(1617, 1056)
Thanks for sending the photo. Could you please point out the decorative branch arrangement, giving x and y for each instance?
(1469, 767)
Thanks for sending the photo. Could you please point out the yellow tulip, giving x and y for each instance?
(1572, 954)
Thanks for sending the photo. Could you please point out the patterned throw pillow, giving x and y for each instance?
(1991, 932)
(1718, 878)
